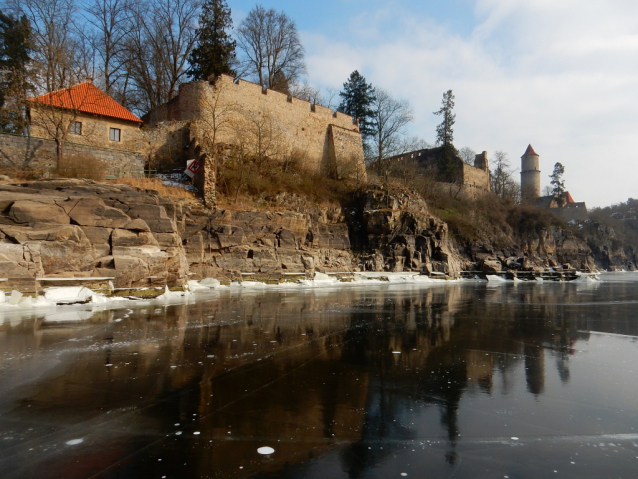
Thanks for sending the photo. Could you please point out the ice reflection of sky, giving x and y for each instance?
(425, 380)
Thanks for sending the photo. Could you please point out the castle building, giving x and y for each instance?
(530, 176)
(473, 180)
(232, 111)
(88, 116)
(561, 204)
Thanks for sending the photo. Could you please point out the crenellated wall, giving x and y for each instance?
(235, 111)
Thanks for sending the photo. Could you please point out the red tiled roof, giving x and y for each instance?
(568, 198)
(530, 151)
(87, 98)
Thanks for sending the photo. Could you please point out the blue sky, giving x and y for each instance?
(561, 75)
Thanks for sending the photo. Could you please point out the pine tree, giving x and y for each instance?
(444, 132)
(15, 50)
(357, 97)
(558, 185)
(215, 50)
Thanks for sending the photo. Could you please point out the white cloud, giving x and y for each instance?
(560, 75)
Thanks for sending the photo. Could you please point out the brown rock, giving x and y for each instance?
(93, 212)
(138, 224)
(34, 212)
(99, 238)
(155, 216)
(121, 237)
(491, 266)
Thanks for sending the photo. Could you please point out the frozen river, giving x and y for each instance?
(433, 380)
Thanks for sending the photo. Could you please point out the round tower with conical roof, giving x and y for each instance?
(530, 175)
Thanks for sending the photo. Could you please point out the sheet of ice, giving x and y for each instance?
(587, 279)
(210, 282)
(68, 294)
(194, 286)
(496, 279)
(253, 285)
(16, 297)
(169, 295)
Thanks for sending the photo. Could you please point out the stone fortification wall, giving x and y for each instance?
(39, 153)
(231, 111)
(476, 178)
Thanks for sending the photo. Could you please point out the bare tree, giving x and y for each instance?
(330, 99)
(256, 147)
(109, 20)
(502, 181)
(389, 119)
(160, 40)
(272, 53)
(55, 42)
(468, 155)
(305, 91)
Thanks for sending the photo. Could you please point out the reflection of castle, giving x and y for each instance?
(561, 204)
(308, 370)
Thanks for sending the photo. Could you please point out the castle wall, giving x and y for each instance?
(232, 112)
(476, 178)
(40, 154)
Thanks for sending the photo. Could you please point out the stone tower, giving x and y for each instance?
(530, 176)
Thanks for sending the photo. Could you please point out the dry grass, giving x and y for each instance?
(157, 185)
(78, 166)
(24, 174)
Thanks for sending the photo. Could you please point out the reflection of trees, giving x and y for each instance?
(318, 367)
(451, 342)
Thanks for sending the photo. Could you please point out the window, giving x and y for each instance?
(114, 134)
(75, 128)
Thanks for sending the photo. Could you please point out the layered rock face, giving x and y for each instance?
(76, 228)
(81, 228)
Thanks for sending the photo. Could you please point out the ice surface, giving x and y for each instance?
(495, 279)
(68, 294)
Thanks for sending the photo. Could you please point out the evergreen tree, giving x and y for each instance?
(357, 99)
(15, 50)
(558, 185)
(215, 50)
(444, 132)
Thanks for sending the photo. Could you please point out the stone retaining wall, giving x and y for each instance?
(38, 153)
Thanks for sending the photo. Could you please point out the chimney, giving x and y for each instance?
(89, 79)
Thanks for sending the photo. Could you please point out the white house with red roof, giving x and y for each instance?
(84, 114)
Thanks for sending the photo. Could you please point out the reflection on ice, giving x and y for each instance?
(350, 380)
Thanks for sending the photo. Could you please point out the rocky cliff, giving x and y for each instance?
(81, 228)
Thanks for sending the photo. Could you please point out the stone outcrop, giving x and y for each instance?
(81, 228)
(78, 228)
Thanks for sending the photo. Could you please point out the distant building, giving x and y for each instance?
(472, 179)
(530, 176)
(563, 205)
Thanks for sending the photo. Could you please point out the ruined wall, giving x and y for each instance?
(94, 132)
(39, 153)
(475, 178)
(228, 111)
